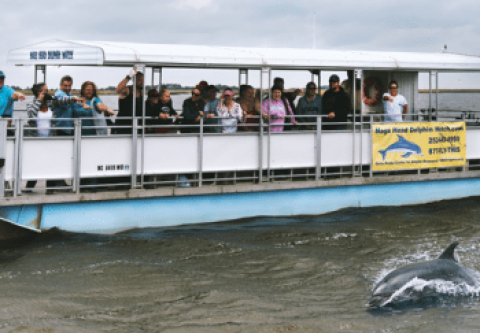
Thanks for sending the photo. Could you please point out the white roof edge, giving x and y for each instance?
(87, 53)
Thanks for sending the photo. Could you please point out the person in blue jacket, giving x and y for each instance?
(64, 114)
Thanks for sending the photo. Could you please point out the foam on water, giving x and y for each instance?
(418, 288)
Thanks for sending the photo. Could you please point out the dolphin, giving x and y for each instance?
(402, 146)
(444, 268)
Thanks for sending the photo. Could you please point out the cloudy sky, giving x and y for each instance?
(408, 25)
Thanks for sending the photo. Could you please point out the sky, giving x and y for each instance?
(408, 25)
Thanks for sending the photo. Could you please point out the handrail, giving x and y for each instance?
(18, 125)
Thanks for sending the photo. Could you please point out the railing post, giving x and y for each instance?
(269, 127)
(371, 145)
(17, 153)
(18, 184)
(430, 96)
(77, 154)
(358, 75)
(318, 171)
(134, 152)
(353, 144)
(464, 168)
(3, 155)
(200, 154)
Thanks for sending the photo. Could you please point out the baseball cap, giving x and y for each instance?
(334, 78)
(2, 74)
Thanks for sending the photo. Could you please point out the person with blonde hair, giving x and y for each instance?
(229, 112)
(97, 110)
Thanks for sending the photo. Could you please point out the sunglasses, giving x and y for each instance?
(198, 95)
(393, 87)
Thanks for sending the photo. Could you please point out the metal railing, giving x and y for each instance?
(138, 179)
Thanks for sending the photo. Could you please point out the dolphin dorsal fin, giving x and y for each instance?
(449, 251)
(401, 138)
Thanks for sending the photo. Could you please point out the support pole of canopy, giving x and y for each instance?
(152, 82)
(260, 132)
(436, 93)
(358, 74)
(269, 127)
(160, 79)
(240, 73)
(42, 68)
(354, 128)
(430, 96)
(134, 135)
(144, 101)
(319, 77)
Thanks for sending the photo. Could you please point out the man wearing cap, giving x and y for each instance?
(7, 97)
(335, 105)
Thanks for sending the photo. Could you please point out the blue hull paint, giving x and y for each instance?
(113, 216)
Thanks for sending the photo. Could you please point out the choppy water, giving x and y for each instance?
(305, 274)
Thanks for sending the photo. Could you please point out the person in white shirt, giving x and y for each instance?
(394, 104)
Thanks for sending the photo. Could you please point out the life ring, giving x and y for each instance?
(368, 83)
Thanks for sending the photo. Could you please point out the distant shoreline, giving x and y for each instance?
(450, 91)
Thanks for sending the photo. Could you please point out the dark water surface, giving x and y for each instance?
(305, 274)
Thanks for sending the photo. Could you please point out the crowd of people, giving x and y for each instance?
(220, 114)
(55, 115)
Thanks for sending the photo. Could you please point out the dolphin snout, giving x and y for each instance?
(375, 301)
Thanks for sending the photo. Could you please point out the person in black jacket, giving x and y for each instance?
(125, 102)
(335, 105)
(167, 110)
(192, 112)
(159, 110)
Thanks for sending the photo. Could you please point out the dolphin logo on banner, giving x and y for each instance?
(402, 146)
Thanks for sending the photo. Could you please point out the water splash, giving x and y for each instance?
(417, 289)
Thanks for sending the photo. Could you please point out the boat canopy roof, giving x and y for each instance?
(87, 53)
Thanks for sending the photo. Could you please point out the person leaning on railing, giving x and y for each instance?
(100, 110)
(336, 106)
(41, 114)
(395, 105)
(8, 96)
(166, 111)
(229, 112)
(192, 112)
(309, 105)
(210, 111)
(247, 102)
(275, 109)
(93, 111)
(64, 113)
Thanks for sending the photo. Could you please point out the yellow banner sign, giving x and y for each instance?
(399, 146)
